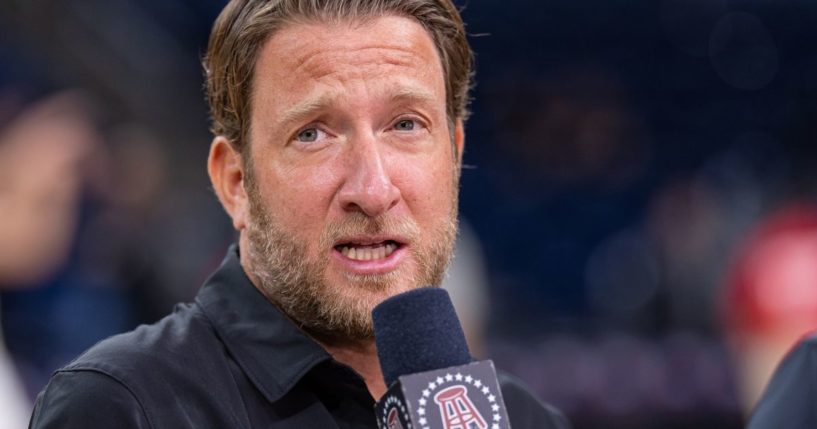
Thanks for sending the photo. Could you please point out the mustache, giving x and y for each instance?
(358, 223)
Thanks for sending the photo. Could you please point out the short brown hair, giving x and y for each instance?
(244, 25)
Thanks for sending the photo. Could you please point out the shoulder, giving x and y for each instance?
(174, 373)
(134, 372)
(83, 399)
(165, 346)
(788, 400)
(525, 410)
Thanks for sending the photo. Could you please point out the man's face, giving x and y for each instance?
(352, 176)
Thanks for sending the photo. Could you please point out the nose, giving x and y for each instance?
(368, 187)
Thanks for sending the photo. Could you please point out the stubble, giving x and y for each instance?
(296, 282)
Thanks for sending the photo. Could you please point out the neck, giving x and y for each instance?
(361, 357)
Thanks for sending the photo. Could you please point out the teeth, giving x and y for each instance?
(368, 253)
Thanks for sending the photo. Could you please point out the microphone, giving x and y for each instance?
(434, 383)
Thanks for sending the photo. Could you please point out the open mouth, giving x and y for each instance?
(368, 251)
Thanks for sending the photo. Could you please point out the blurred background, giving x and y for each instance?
(639, 202)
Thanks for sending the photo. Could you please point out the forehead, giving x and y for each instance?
(303, 55)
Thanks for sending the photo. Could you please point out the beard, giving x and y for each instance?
(297, 283)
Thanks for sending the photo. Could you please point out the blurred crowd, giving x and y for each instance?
(639, 197)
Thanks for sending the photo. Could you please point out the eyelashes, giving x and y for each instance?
(317, 135)
(309, 135)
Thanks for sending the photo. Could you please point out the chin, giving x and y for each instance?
(373, 288)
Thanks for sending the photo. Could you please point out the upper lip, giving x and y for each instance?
(365, 240)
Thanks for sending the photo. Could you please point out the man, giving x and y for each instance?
(339, 134)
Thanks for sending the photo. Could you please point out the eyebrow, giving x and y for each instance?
(413, 95)
(310, 107)
(307, 108)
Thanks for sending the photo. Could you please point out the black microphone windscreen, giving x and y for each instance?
(418, 331)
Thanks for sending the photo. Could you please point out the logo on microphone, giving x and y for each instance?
(394, 413)
(457, 410)
(459, 399)
(393, 420)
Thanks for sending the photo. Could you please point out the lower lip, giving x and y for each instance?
(373, 266)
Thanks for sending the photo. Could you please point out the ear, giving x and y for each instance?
(459, 139)
(227, 176)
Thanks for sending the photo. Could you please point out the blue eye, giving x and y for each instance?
(308, 135)
(405, 125)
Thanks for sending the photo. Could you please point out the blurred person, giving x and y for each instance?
(770, 303)
(42, 153)
(338, 141)
(467, 283)
(41, 160)
(14, 404)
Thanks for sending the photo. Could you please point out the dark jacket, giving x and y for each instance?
(228, 360)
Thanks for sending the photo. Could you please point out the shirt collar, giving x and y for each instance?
(273, 352)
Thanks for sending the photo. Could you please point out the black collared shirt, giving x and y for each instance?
(228, 360)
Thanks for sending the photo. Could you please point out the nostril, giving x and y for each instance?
(371, 202)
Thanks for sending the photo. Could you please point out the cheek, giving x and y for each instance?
(427, 189)
(299, 197)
